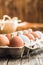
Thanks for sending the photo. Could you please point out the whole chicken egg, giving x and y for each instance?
(4, 41)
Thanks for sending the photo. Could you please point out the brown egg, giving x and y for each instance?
(4, 41)
(35, 34)
(30, 36)
(16, 41)
(9, 36)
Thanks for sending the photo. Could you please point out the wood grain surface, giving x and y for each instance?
(32, 60)
(26, 25)
(26, 10)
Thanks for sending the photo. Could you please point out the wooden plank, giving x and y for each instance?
(41, 58)
(26, 25)
(3, 61)
(14, 62)
(20, 7)
(33, 60)
(24, 62)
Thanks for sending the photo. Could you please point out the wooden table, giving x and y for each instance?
(31, 60)
(27, 25)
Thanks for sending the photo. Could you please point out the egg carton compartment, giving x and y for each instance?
(21, 32)
(36, 51)
(11, 52)
(31, 52)
(22, 52)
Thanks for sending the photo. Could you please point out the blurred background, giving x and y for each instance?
(26, 10)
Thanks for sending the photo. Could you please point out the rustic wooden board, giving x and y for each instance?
(24, 61)
(27, 10)
(26, 25)
(32, 60)
(41, 58)
(3, 61)
(14, 62)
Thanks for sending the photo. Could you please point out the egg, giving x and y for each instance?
(39, 33)
(35, 35)
(16, 41)
(4, 40)
(9, 36)
(25, 39)
(30, 36)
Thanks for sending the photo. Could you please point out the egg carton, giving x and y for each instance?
(22, 52)
(13, 52)
(18, 52)
(37, 44)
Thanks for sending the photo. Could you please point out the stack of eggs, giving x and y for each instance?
(32, 39)
(11, 41)
(26, 38)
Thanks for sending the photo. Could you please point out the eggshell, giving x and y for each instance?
(39, 33)
(30, 36)
(25, 39)
(8, 36)
(16, 41)
(4, 40)
(35, 35)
